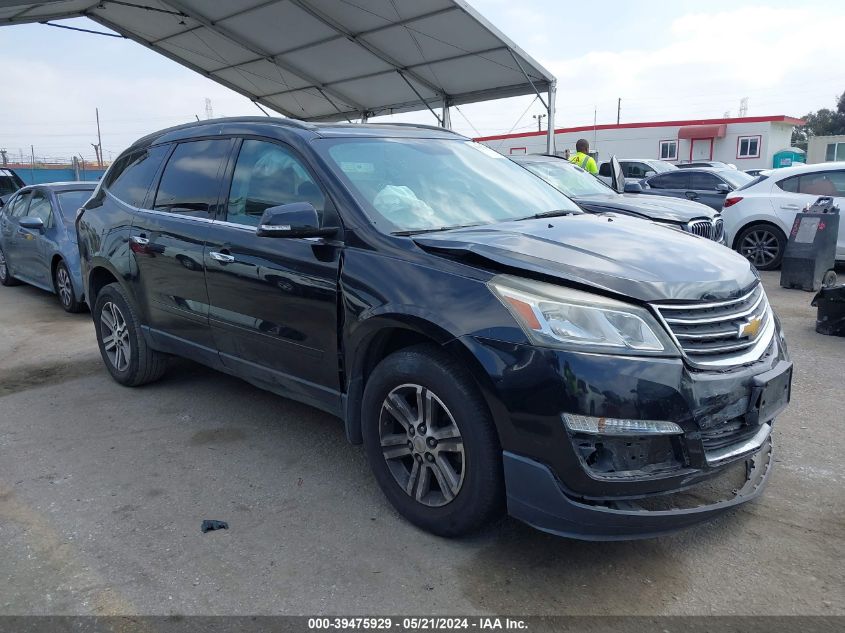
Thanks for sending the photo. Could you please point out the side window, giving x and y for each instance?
(789, 184)
(133, 174)
(18, 208)
(190, 182)
(671, 180)
(702, 181)
(40, 207)
(267, 175)
(818, 184)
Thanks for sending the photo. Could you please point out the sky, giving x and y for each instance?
(665, 60)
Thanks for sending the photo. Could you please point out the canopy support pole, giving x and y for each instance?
(550, 119)
(446, 117)
(421, 98)
(528, 79)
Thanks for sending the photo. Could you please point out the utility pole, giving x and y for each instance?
(618, 110)
(32, 163)
(5, 158)
(99, 140)
(97, 154)
(539, 118)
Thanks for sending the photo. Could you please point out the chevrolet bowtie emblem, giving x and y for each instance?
(750, 328)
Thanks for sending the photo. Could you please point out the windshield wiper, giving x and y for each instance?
(435, 230)
(550, 214)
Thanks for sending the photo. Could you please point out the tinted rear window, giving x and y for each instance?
(670, 180)
(190, 183)
(133, 174)
(751, 183)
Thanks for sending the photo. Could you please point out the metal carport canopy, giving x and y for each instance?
(324, 59)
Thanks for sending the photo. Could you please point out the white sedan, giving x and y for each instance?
(759, 216)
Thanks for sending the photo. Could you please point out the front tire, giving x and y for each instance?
(763, 245)
(127, 356)
(64, 288)
(5, 274)
(431, 442)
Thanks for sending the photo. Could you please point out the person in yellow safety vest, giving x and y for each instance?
(582, 157)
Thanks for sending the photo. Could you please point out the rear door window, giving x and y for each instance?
(822, 183)
(190, 184)
(670, 180)
(702, 181)
(133, 174)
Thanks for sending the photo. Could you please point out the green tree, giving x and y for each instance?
(824, 122)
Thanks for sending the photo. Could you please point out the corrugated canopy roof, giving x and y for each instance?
(321, 59)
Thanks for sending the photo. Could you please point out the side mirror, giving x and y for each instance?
(649, 172)
(32, 223)
(633, 187)
(723, 188)
(298, 219)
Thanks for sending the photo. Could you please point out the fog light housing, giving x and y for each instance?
(619, 426)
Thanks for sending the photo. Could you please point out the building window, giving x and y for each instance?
(669, 150)
(835, 151)
(748, 147)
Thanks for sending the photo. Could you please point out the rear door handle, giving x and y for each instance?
(223, 258)
(790, 207)
(140, 240)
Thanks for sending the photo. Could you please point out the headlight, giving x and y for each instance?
(555, 316)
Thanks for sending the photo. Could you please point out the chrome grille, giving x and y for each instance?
(721, 333)
(709, 229)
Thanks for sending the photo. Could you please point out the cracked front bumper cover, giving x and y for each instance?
(535, 497)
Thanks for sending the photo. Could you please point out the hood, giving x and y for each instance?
(661, 208)
(614, 253)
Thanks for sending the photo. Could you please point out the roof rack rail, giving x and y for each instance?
(421, 126)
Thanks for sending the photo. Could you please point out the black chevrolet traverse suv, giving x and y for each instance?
(491, 345)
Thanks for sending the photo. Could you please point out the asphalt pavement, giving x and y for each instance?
(103, 490)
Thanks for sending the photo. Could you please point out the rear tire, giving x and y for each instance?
(763, 245)
(5, 274)
(64, 289)
(127, 356)
(431, 442)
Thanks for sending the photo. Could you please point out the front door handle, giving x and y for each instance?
(691, 195)
(223, 258)
(140, 240)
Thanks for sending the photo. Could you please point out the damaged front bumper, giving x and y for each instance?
(536, 497)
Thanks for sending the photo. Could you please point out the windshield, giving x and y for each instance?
(413, 184)
(661, 167)
(70, 201)
(736, 178)
(568, 178)
(7, 185)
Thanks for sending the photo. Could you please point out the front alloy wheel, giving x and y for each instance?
(763, 246)
(422, 445)
(115, 336)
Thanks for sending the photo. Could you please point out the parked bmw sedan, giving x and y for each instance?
(38, 240)
(591, 194)
(491, 345)
(707, 185)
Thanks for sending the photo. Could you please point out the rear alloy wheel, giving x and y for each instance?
(762, 245)
(64, 288)
(5, 275)
(127, 356)
(431, 441)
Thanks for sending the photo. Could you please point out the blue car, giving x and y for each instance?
(38, 239)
